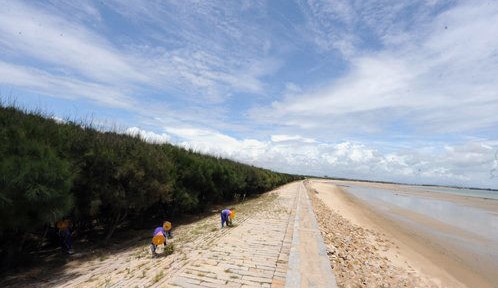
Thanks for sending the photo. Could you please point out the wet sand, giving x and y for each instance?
(405, 257)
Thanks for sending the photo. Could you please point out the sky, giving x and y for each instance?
(403, 91)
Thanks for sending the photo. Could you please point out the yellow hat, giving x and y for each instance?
(63, 224)
(167, 225)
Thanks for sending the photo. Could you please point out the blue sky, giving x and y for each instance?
(385, 90)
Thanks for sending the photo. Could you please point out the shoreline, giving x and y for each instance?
(485, 203)
(413, 253)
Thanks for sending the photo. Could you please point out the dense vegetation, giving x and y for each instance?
(104, 179)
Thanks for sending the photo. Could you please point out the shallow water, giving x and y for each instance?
(469, 230)
(460, 191)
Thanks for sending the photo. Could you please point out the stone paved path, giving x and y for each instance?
(253, 254)
(309, 264)
(256, 253)
(275, 243)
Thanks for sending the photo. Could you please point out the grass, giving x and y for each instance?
(169, 249)
(205, 225)
(107, 282)
(158, 276)
(103, 257)
(138, 254)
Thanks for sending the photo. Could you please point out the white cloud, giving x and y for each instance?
(58, 120)
(62, 40)
(338, 25)
(442, 83)
(322, 18)
(291, 138)
(200, 72)
(216, 143)
(207, 52)
(62, 86)
(493, 170)
(466, 164)
(62, 44)
(148, 136)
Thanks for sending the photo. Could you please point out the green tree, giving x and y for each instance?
(35, 184)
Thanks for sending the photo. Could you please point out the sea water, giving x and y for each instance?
(466, 228)
(490, 194)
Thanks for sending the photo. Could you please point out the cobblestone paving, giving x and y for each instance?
(253, 254)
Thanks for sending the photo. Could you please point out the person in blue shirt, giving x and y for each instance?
(65, 235)
(225, 217)
(158, 231)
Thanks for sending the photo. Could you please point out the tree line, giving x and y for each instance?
(49, 170)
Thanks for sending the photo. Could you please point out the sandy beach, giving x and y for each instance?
(368, 249)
